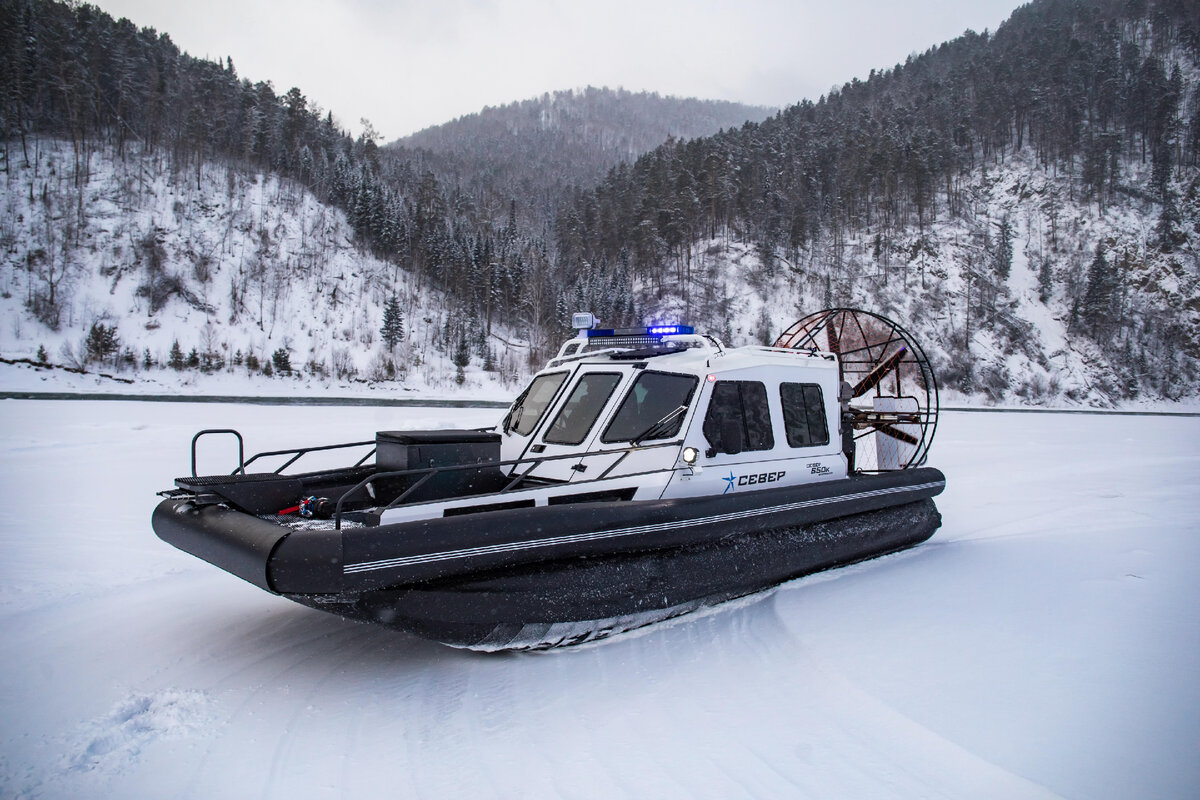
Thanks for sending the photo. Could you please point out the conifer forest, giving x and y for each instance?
(1025, 200)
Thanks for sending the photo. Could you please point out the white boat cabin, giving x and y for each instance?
(662, 412)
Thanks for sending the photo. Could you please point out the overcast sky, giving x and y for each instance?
(409, 64)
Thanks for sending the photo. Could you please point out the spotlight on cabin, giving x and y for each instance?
(584, 321)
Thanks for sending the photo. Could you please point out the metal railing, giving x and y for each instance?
(241, 448)
(428, 473)
(295, 452)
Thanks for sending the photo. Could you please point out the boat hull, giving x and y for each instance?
(570, 602)
(557, 575)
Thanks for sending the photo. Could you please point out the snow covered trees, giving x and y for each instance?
(831, 193)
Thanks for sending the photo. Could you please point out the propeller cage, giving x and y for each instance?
(889, 392)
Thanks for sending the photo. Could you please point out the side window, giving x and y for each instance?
(803, 414)
(532, 404)
(648, 407)
(742, 404)
(578, 415)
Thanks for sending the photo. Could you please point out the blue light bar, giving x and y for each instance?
(652, 330)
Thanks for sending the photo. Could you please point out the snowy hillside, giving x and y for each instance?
(1026, 201)
(110, 268)
(1018, 339)
(244, 267)
(1044, 643)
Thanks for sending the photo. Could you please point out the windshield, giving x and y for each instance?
(532, 404)
(653, 397)
(579, 413)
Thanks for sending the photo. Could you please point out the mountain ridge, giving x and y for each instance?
(538, 147)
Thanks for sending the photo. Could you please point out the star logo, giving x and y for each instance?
(730, 481)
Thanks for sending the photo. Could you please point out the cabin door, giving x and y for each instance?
(572, 429)
(638, 435)
(739, 438)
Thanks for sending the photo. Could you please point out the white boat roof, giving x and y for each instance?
(701, 358)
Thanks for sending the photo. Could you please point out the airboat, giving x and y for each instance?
(644, 473)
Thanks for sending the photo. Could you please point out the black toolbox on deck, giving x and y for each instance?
(404, 450)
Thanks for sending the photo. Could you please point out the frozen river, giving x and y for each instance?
(1045, 642)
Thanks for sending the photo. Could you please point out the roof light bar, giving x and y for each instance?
(651, 330)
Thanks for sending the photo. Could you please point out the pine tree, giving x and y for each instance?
(1004, 249)
(562, 312)
(175, 359)
(1097, 307)
(481, 345)
(282, 361)
(462, 353)
(462, 357)
(392, 329)
(102, 342)
(1167, 230)
(1045, 281)
(762, 330)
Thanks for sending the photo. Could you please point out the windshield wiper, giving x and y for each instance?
(510, 421)
(659, 427)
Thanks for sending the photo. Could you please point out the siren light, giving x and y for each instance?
(649, 330)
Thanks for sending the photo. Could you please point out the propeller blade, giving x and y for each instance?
(895, 433)
(835, 344)
(876, 375)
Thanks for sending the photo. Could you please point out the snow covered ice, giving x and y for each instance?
(1044, 643)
